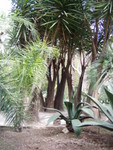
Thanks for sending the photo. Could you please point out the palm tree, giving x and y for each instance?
(61, 24)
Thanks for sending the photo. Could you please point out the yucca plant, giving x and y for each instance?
(75, 115)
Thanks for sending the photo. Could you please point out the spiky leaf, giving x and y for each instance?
(110, 96)
(69, 107)
(53, 118)
(103, 124)
(102, 108)
(88, 111)
(77, 129)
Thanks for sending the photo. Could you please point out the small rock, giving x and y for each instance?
(65, 130)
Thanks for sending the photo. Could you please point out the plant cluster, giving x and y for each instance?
(77, 116)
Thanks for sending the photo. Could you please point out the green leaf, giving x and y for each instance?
(103, 124)
(61, 114)
(88, 111)
(49, 22)
(110, 97)
(53, 24)
(53, 118)
(69, 107)
(102, 108)
(78, 109)
(109, 109)
(76, 126)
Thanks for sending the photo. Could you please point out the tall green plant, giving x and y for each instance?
(20, 70)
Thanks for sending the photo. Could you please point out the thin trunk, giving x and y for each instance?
(56, 33)
(96, 35)
(69, 70)
(42, 102)
(79, 89)
(94, 53)
(70, 87)
(106, 37)
(94, 50)
(69, 84)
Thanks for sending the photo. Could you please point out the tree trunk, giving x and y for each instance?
(34, 106)
(69, 83)
(50, 95)
(79, 89)
(53, 71)
(58, 104)
(42, 102)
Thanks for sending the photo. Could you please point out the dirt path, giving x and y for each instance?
(43, 116)
(2, 120)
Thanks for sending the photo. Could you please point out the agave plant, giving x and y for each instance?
(106, 109)
(75, 115)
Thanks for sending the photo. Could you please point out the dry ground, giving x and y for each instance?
(52, 138)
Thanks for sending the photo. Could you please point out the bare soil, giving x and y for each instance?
(52, 138)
